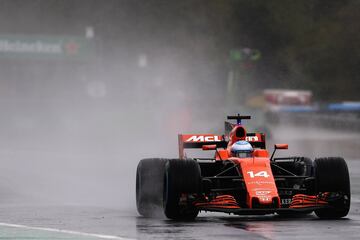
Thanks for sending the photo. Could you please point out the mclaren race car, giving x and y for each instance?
(241, 178)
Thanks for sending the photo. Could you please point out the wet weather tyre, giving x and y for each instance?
(182, 177)
(332, 175)
(149, 186)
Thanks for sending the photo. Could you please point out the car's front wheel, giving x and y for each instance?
(332, 176)
(182, 178)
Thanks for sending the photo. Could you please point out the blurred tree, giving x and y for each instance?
(313, 44)
(310, 44)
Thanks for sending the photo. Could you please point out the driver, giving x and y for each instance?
(241, 149)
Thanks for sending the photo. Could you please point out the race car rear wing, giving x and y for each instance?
(198, 140)
(257, 140)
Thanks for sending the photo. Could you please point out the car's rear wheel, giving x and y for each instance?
(182, 179)
(149, 186)
(332, 175)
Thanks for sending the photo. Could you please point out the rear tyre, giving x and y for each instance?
(332, 175)
(149, 186)
(182, 178)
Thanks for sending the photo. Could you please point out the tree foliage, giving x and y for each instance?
(307, 44)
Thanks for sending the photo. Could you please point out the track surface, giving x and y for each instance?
(75, 222)
(24, 222)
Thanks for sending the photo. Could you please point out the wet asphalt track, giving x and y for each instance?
(79, 222)
(38, 222)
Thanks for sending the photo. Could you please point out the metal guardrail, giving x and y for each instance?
(336, 120)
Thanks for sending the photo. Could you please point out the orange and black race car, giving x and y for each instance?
(242, 178)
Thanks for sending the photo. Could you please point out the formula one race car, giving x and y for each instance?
(242, 178)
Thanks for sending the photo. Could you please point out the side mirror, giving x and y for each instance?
(281, 146)
(209, 147)
(278, 146)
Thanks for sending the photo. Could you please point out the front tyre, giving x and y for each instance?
(332, 175)
(182, 179)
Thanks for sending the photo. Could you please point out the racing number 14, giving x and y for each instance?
(258, 174)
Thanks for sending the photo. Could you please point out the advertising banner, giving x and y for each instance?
(45, 47)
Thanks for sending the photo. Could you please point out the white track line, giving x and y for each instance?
(101, 236)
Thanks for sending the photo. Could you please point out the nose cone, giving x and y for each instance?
(265, 200)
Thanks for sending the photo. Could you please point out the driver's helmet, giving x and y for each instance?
(241, 149)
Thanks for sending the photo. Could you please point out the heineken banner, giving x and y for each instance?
(34, 46)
